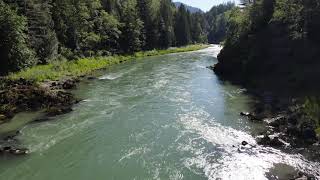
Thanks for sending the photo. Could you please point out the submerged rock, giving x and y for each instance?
(244, 143)
(251, 116)
(91, 78)
(53, 111)
(14, 151)
(211, 67)
(245, 114)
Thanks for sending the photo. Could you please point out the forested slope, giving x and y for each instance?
(40, 31)
(273, 43)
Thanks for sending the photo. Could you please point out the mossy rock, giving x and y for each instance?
(318, 131)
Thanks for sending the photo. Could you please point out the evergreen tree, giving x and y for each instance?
(166, 29)
(50, 29)
(40, 29)
(217, 19)
(149, 35)
(182, 27)
(131, 28)
(198, 29)
(85, 27)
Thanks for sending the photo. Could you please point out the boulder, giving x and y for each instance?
(245, 114)
(244, 143)
(91, 78)
(69, 84)
(267, 140)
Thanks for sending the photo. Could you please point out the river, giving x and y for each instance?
(164, 117)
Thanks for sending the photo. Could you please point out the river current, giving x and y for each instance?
(164, 117)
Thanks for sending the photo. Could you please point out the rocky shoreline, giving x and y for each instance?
(288, 128)
(51, 97)
(22, 95)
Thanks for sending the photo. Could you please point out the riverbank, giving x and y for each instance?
(291, 117)
(289, 109)
(288, 120)
(47, 87)
(70, 69)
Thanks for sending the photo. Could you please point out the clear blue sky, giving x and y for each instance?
(205, 5)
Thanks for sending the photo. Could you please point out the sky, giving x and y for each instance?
(205, 5)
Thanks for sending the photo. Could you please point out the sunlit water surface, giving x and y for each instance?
(165, 117)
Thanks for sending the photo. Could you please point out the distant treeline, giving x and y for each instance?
(273, 43)
(39, 31)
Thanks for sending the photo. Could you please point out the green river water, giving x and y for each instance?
(165, 117)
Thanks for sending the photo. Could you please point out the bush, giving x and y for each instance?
(312, 109)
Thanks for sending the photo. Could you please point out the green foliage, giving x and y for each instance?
(273, 43)
(312, 109)
(238, 24)
(182, 26)
(14, 51)
(41, 31)
(131, 28)
(217, 20)
(60, 69)
(166, 28)
(84, 26)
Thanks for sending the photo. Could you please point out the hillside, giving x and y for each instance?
(189, 8)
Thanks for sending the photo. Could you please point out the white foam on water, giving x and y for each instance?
(111, 76)
(227, 161)
(133, 152)
(119, 74)
(213, 50)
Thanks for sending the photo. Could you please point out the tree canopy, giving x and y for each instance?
(40, 31)
(278, 38)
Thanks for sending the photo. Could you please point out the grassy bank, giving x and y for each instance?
(61, 69)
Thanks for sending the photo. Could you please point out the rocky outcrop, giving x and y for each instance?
(22, 95)
(273, 141)
(297, 130)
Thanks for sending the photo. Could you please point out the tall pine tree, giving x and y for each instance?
(182, 27)
(166, 29)
(131, 28)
